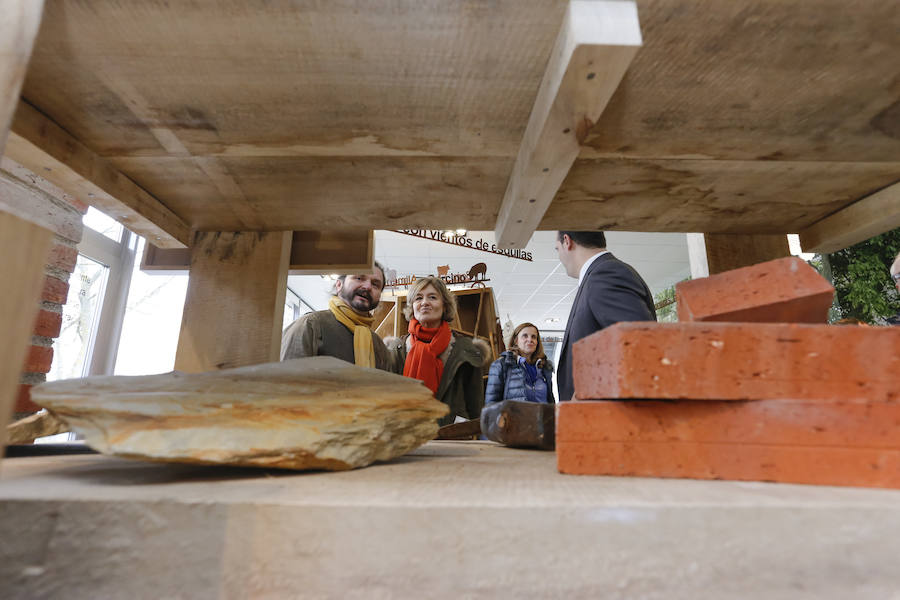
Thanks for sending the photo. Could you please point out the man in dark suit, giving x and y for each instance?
(609, 291)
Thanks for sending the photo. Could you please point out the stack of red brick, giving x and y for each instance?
(751, 384)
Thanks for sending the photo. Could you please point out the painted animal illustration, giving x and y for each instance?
(476, 270)
(443, 270)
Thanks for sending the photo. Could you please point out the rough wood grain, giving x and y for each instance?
(42, 146)
(856, 223)
(24, 248)
(596, 43)
(18, 31)
(726, 251)
(752, 116)
(234, 306)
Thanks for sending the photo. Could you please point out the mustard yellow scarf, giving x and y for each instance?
(363, 351)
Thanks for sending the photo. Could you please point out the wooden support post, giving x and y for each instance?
(19, 23)
(726, 251)
(234, 307)
(24, 248)
(596, 43)
(866, 218)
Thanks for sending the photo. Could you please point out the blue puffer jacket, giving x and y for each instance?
(506, 379)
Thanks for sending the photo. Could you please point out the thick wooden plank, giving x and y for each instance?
(234, 306)
(312, 253)
(18, 29)
(726, 251)
(856, 223)
(596, 43)
(38, 207)
(39, 144)
(718, 196)
(401, 114)
(24, 247)
(187, 530)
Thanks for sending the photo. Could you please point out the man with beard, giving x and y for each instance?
(343, 330)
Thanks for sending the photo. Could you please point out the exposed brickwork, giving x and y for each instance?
(23, 400)
(734, 361)
(48, 323)
(63, 257)
(55, 290)
(786, 290)
(793, 441)
(62, 214)
(38, 360)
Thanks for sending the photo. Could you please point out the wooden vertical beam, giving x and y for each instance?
(24, 247)
(234, 306)
(596, 43)
(726, 251)
(19, 23)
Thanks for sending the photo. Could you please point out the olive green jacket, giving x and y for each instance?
(462, 386)
(321, 334)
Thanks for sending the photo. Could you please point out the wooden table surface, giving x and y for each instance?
(460, 519)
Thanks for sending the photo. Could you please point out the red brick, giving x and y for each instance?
(786, 290)
(735, 361)
(48, 323)
(55, 290)
(38, 360)
(790, 441)
(23, 400)
(62, 257)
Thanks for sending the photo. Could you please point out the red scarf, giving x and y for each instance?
(422, 362)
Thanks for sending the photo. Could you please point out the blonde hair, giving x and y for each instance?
(539, 349)
(447, 298)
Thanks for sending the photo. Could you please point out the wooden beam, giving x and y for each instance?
(39, 144)
(39, 208)
(726, 251)
(596, 43)
(234, 307)
(24, 247)
(19, 24)
(858, 222)
(312, 253)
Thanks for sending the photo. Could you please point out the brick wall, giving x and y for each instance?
(30, 196)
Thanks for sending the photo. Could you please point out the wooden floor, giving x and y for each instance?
(452, 519)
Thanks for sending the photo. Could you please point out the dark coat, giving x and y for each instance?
(462, 386)
(507, 381)
(610, 292)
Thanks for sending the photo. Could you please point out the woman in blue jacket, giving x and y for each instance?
(522, 372)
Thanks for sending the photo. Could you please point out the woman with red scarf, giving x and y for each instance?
(448, 364)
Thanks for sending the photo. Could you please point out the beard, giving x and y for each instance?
(359, 300)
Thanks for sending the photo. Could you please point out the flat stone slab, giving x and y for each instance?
(449, 520)
(307, 413)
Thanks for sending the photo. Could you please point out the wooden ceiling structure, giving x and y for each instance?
(736, 117)
(226, 125)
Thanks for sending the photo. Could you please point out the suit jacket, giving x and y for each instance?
(611, 291)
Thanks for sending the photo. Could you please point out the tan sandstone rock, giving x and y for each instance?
(309, 413)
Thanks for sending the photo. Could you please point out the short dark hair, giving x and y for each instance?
(588, 239)
(378, 265)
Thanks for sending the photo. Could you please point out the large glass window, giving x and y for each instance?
(152, 322)
(80, 315)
